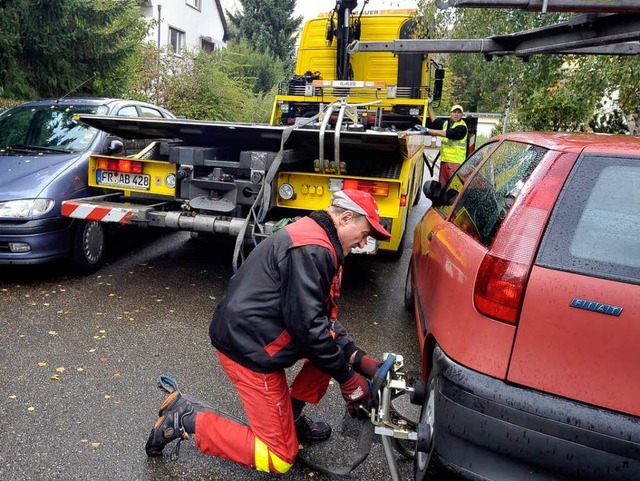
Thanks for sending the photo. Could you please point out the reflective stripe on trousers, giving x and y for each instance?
(269, 443)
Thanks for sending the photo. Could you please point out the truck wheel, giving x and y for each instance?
(88, 246)
(427, 465)
(409, 297)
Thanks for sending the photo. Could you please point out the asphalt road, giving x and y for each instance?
(81, 356)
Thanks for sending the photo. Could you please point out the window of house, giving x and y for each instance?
(177, 40)
(207, 46)
(195, 3)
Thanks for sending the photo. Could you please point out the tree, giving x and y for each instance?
(548, 92)
(52, 47)
(261, 67)
(199, 85)
(267, 25)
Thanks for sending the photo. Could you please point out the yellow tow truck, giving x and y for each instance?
(343, 121)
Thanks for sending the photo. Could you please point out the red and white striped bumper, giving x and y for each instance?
(100, 213)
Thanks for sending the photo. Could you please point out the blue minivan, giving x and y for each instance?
(44, 154)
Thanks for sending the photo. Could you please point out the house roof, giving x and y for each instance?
(225, 36)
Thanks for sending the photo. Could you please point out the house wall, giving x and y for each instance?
(195, 23)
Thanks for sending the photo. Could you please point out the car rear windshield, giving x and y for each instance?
(51, 126)
(595, 227)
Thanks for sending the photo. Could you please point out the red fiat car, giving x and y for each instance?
(525, 283)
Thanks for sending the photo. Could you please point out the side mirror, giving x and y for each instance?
(437, 195)
(432, 190)
(115, 147)
(437, 84)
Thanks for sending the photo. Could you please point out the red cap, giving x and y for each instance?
(364, 204)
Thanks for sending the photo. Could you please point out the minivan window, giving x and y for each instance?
(149, 112)
(491, 192)
(128, 111)
(457, 180)
(51, 126)
(595, 227)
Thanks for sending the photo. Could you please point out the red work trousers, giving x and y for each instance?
(270, 442)
(447, 169)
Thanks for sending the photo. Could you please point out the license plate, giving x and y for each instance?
(371, 247)
(123, 179)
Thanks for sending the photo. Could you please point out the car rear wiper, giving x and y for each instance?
(17, 148)
(29, 149)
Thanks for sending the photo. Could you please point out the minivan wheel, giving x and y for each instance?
(409, 297)
(426, 464)
(88, 246)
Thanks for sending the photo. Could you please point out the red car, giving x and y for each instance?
(525, 283)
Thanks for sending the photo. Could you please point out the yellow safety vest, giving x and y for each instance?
(454, 151)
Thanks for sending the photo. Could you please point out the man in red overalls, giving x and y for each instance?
(279, 308)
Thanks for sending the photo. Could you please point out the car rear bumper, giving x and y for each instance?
(48, 238)
(488, 429)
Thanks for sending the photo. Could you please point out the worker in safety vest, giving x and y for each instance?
(453, 150)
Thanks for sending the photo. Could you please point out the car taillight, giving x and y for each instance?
(504, 271)
(136, 167)
(374, 188)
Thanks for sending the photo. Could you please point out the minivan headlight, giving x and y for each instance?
(25, 207)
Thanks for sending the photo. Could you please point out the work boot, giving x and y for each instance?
(310, 432)
(171, 424)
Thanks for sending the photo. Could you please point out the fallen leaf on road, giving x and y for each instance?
(42, 364)
(53, 333)
(60, 369)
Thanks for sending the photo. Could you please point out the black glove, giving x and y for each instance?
(356, 393)
(365, 365)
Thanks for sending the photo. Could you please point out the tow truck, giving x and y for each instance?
(343, 121)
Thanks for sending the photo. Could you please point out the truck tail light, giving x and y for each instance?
(102, 163)
(504, 271)
(119, 165)
(380, 189)
(124, 165)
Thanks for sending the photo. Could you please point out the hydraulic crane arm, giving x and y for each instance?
(582, 34)
(578, 6)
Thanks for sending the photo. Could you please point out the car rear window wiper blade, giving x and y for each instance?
(35, 148)
(17, 148)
